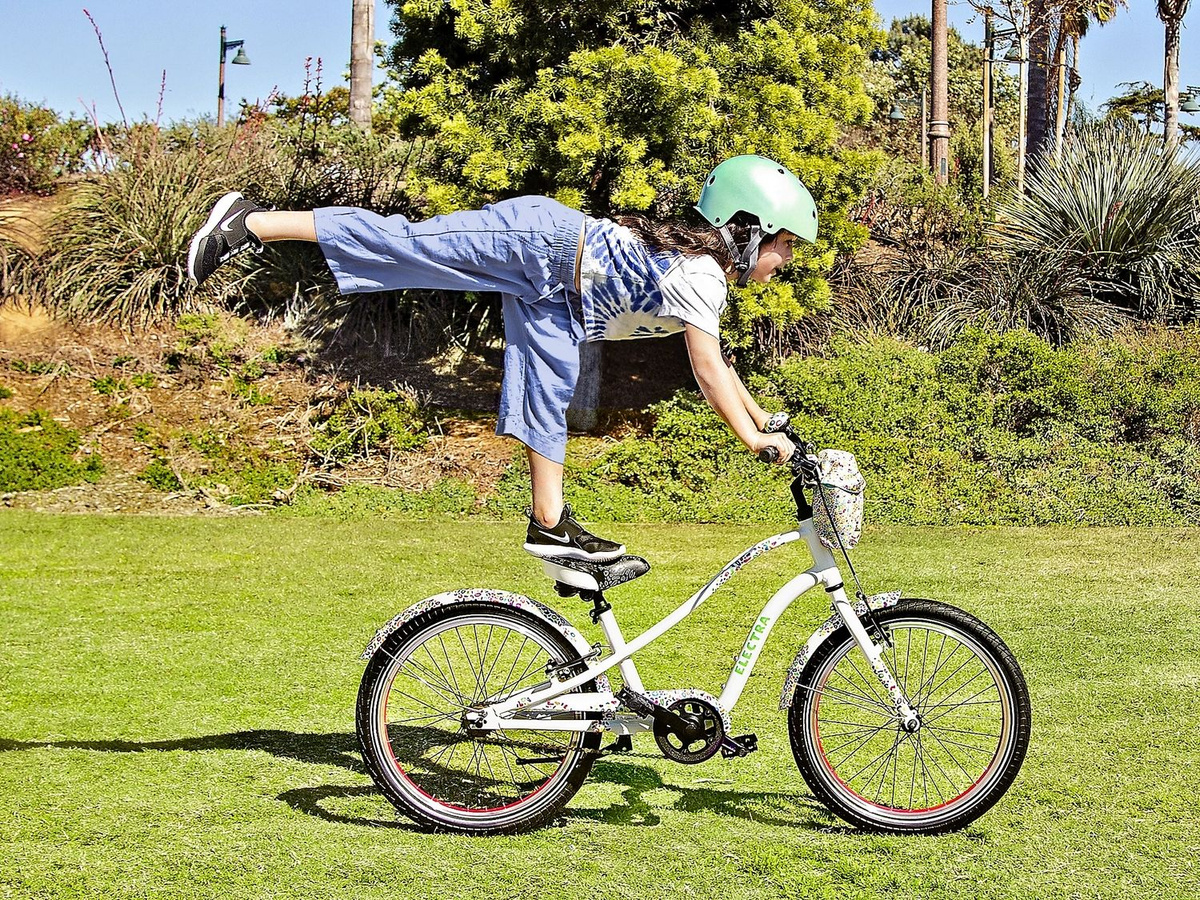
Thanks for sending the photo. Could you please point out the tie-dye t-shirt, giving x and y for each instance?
(629, 291)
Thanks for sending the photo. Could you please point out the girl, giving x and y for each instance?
(564, 278)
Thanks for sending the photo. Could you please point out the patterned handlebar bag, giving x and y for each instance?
(844, 487)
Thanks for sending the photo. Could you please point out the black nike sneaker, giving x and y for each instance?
(223, 236)
(569, 538)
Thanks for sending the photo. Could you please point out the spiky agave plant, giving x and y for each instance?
(1119, 211)
(1046, 294)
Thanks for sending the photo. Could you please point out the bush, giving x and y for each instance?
(997, 429)
(236, 472)
(37, 147)
(1122, 212)
(369, 422)
(38, 454)
(160, 476)
(116, 250)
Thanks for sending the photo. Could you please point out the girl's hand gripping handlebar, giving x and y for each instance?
(803, 462)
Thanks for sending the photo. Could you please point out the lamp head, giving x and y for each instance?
(241, 59)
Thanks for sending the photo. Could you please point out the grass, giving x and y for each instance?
(176, 718)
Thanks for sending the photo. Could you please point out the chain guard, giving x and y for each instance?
(698, 749)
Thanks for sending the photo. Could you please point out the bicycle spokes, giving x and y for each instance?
(459, 668)
(958, 701)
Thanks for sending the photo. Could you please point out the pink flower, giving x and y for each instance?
(27, 138)
(14, 146)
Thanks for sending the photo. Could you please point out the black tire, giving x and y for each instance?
(963, 682)
(412, 738)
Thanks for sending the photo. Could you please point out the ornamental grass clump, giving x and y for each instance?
(117, 247)
(17, 249)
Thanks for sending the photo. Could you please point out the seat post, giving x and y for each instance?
(599, 605)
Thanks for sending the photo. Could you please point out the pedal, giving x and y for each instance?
(739, 746)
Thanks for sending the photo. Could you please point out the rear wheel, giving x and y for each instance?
(417, 749)
(973, 704)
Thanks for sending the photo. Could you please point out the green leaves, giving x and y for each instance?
(625, 106)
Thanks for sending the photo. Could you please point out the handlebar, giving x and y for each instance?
(768, 455)
(802, 462)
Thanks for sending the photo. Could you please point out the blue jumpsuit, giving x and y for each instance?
(525, 249)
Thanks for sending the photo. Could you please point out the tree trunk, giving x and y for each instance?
(1060, 107)
(1171, 83)
(1037, 117)
(1072, 89)
(362, 62)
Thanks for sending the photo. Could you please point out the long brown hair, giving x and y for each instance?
(686, 238)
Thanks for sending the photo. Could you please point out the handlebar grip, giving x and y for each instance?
(768, 455)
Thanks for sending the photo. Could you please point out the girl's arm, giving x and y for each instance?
(727, 395)
(757, 413)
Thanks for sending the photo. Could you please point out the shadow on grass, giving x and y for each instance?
(787, 810)
(319, 749)
(341, 750)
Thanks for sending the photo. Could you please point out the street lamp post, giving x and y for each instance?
(992, 38)
(240, 59)
(939, 124)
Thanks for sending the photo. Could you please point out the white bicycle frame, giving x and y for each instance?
(538, 707)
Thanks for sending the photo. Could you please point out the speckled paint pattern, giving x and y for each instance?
(479, 595)
(832, 624)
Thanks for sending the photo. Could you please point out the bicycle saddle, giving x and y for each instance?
(574, 575)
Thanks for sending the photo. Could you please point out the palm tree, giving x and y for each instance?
(1042, 19)
(362, 51)
(1078, 16)
(1171, 12)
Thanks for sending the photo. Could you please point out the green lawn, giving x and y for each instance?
(177, 699)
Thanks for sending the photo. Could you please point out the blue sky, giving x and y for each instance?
(51, 55)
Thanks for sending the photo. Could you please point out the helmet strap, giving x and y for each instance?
(747, 258)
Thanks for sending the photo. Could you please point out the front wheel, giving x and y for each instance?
(411, 728)
(972, 702)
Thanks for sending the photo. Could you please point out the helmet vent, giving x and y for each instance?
(717, 220)
(781, 172)
(713, 180)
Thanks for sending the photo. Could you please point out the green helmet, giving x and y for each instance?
(765, 190)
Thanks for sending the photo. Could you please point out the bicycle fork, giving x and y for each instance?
(909, 720)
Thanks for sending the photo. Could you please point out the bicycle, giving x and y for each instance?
(481, 711)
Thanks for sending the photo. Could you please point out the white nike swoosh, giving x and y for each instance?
(555, 537)
(225, 225)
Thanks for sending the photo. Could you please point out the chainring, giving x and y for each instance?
(700, 748)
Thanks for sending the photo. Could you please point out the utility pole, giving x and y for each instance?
(989, 52)
(362, 62)
(939, 124)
